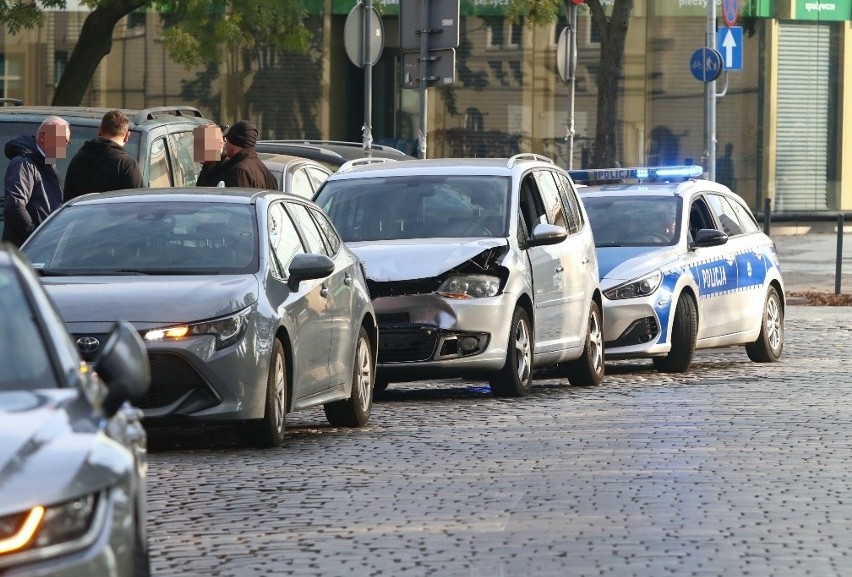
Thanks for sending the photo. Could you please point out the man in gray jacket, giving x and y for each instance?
(33, 188)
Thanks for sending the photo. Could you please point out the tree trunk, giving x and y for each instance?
(94, 43)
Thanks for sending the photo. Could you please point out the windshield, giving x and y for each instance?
(24, 360)
(634, 220)
(147, 238)
(417, 206)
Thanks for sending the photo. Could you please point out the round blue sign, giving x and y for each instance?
(706, 64)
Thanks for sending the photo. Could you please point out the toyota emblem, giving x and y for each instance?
(88, 345)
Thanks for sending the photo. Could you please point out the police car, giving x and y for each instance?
(683, 265)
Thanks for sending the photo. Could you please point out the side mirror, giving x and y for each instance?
(706, 237)
(544, 234)
(307, 267)
(122, 364)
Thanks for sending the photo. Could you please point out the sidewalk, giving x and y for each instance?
(808, 262)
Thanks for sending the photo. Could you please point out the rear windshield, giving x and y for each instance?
(11, 129)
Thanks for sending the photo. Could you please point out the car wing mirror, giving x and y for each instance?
(122, 364)
(544, 234)
(308, 266)
(706, 237)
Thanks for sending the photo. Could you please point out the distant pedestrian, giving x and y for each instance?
(33, 188)
(209, 149)
(725, 167)
(102, 164)
(243, 168)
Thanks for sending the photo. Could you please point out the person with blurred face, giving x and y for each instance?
(102, 164)
(208, 149)
(33, 188)
(243, 168)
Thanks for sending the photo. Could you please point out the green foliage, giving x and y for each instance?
(25, 14)
(535, 12)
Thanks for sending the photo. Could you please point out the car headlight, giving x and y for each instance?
(227, 330)
(469, 286)
(50, 530)
(636, 288)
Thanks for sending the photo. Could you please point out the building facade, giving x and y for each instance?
(781, 118)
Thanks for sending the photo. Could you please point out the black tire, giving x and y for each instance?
(355, 411)
(768, 346)
(683, 337)
(588, 369)
(515, 378)
(269, 431)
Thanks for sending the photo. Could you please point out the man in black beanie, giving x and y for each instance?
(243, 168)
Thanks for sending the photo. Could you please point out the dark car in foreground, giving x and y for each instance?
(72, 452)
(249, 303)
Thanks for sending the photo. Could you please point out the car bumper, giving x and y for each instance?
(636, 327)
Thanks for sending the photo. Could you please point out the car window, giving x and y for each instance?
(634, 220)
(417, 206)
(531, 207)
(147, 238)
(311, 234)
(572, 204)
(552, 201)
(186, 169)
(283, 238)
(25, 363)
(738, 213)
(300, 183)
(725, 215)
(332, 240)
(160, 174)
(699, 216)
(317, 176)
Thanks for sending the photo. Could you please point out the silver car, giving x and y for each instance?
(481, 267)
(249, 303)
(72, 452)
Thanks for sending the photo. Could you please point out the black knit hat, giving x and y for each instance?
(243, 134)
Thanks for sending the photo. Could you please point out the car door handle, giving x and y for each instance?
(560, 268)
(324, 291)
(347, 280)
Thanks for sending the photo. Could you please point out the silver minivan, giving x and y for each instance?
(480, 268)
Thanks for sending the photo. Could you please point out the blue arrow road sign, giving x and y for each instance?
(706, 64)
(729, 41)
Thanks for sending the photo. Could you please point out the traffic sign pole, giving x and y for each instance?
(424, 73)
(710, 99)
(368, 80)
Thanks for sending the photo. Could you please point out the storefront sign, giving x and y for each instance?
(825, 10)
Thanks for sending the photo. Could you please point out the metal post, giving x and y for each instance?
(710, 98)
(572, 58)
(368, 78)
(839, 265)
(767, 215)
(424, 73)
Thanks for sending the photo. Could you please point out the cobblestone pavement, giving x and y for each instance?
(732, 469)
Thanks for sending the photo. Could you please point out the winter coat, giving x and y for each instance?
(33, 189)
(211, 173)
(245, 169)
(101, 165)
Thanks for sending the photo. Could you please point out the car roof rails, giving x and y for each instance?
(12, 101)
(638, 173)
(527, 156)
(348, 165)
(152, 113)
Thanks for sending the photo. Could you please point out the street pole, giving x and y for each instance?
(424, 74)
(368, 79)
(710, 99)
(571, 67)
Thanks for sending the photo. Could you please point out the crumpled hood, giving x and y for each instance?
(149, 300)
(409, 259)
(626, 263)
(51, 449)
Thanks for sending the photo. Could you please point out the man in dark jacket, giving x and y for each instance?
(102, 164)
(32, 186)
(243, 168)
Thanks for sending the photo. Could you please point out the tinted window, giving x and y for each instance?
(725, 215)
(634, 221)
(328, 231)
(552, 201)
(186, 168)
(155, 238)
(160, 174)
(572, 204)
(311, 234)
(283, 238)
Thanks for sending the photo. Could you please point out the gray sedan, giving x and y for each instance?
(72, 453)
(248, 302)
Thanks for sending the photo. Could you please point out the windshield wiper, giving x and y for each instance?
(608, 245)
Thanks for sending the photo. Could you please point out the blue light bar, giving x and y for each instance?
(656, 173)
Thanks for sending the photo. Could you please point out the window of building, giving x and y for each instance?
(11, 66)
(60, 62)
(495, 38)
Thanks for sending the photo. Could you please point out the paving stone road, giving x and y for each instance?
(732, 469)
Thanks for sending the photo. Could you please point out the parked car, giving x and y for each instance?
(684, 265)
(72, 456)
(295, 174)
(248, 302)
(332, 153)
(481, 267)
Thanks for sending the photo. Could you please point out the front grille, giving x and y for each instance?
(409, 287)
(171, 378)
(394, 318)
(640, 331)
(407, 344)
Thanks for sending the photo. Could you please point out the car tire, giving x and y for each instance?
(141, 557)
(515, 378)
(588, 369)
(683, 338)
(355, 411)
(269, 431)
(768, 346)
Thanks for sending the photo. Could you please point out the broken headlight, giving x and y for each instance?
(470, 286)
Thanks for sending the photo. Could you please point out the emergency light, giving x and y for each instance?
(652, 173)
